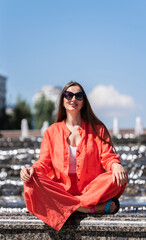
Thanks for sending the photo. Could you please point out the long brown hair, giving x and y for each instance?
(86, 112)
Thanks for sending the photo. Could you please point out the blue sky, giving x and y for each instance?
(101, 44)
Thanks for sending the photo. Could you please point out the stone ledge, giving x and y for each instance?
(78, 226)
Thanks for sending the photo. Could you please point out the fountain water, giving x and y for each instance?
(16, 154)
(115, 127)
(44, 127)
(24, 128)
(138, 127)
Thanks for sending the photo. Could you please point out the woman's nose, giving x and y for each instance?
(74, 98)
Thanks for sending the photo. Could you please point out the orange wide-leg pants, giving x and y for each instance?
(50, 202)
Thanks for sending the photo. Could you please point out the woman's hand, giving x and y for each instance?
(119, 174)
(26, 174)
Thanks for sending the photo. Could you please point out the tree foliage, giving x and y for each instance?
(4, 121)
(21, 110)
(43, 111)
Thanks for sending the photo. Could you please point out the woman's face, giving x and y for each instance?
(73, 105)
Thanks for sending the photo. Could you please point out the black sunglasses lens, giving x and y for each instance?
(68, 95)
(79, 96)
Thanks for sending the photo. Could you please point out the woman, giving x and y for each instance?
(77, 168)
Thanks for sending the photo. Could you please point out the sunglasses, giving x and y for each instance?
(69, 95)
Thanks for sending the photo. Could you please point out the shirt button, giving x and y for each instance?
(78, 151)
(78, 179)
(77, 165)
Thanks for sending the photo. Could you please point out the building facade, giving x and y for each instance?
(2, 93)
(50, 93)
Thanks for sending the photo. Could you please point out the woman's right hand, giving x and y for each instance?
(26, 174)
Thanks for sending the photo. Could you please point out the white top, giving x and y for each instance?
(72, 160)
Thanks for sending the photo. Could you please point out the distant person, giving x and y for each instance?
(77, 169)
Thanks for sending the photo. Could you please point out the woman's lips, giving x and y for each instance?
(73, 104)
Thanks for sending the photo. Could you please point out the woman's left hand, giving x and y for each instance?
(119, 174)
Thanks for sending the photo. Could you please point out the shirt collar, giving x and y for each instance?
(80, 128)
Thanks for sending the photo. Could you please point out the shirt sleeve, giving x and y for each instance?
(108, 156)
(44, 163)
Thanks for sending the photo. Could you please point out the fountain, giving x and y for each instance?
(115, 127)
(44, 127)
(138, 127)
(24, 128)
(17, 153)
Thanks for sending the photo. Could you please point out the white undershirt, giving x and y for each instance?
(72, 160)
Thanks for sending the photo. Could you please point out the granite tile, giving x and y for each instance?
(79, 226)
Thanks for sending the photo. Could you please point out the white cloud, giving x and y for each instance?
(109, 102)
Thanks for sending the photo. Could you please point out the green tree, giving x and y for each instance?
(43, 111)
(3, 119)
(21, 110)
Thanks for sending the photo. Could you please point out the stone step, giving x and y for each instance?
(12, 202)
(79, 226)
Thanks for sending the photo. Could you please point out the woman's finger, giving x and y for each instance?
(120, 179)
(114, 178)
(25, 174)
(24, 177)
(119, 174)
(117, 179)
(123, 178)
(31, 171)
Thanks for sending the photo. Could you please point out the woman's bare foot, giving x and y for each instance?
(99, 208)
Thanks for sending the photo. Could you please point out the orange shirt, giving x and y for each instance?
(93, 155)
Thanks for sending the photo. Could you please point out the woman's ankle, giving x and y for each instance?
(83, 210)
